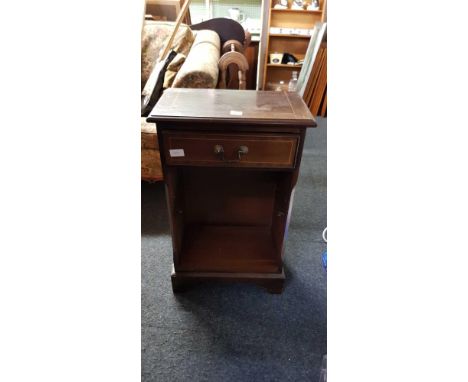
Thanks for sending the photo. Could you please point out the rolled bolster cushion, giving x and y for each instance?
(200, 69)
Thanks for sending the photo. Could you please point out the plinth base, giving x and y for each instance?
(272, 282)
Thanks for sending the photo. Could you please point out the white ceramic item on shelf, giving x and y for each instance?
(315, 6)
(276, 58)
(279, 6)
(297, 4)
(282, 4)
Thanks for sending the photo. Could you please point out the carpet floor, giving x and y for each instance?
(239, 332)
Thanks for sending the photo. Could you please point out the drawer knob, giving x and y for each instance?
(242, 151)
(219, 150)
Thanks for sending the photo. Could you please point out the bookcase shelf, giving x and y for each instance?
(288, 35)
(284, 66)
(296, 11)
(295, 44)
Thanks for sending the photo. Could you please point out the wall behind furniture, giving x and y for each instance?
(220, 8)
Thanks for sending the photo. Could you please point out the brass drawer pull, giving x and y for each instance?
(243, 150)
(219, 151)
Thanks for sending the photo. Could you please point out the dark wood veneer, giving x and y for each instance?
(229, 211)
(264, 150)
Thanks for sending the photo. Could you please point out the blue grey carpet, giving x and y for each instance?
(239, 332)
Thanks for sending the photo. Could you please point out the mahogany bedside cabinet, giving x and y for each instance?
(230, 160)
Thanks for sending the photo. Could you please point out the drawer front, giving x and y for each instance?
(230, 150)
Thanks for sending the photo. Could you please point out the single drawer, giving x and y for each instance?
(230, 150)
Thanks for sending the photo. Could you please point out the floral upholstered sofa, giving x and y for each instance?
(197, 65)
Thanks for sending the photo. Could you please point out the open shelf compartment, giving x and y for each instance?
(227, 219)
(218, 248)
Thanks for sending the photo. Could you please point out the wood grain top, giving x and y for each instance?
(232, 107)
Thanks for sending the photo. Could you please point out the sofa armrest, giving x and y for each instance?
(200, 69)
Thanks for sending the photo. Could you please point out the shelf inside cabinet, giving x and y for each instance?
(218, 248)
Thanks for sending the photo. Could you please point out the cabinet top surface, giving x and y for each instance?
(232, 106)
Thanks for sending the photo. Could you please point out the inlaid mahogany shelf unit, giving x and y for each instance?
(294, 44)
(230, 161)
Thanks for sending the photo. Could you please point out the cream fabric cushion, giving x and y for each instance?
(200, 69)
